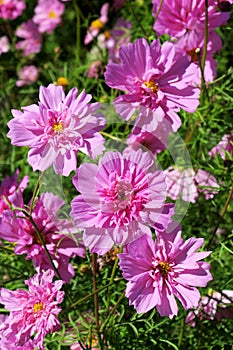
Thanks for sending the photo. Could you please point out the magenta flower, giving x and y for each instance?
(59, 236)
(48, 15)
(33, 313)
(206, 183)
(224, 146)
(119, 198)
(32, 38)
(4, 44)
(177, 17)
(156, 80)
(57, 128)
(11, 9)
(212, 306)
(27, 75)
(158, 271)
(11, 190)
(97, 24)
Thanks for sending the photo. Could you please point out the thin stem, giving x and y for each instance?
(181, 334)
(78, 30)
(137, 19)
(159, 9)
(221, 217)
(203, 60)
(110, 136)
(112, 311)
(35, 193)
(111, 280)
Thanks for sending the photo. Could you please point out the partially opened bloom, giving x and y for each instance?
(32, 38)
(4, 44)
(177, 17)
(119, 198)
(225, 145)
(158, 271)
(11, 190)
(156, 81)
(48, 15)
(58, 235)
(27, 75)
(33, 312)
(11, 9)
(57, 128)
(97, 24)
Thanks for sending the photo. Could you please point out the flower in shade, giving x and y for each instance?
(59, 236)
(212, 306)
(11, 9)
(4, 44)
(158, 271)
(177, 17)
(33, 312)
(32, 38)
(187, 184)
(156, 80)
(27, 75)
(57, 128)
(192, 44)
(224, 146)
(97, 24)
(119, 198)
(48, 15)
(11, 190)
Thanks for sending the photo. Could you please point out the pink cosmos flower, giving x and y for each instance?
(225, 145)
(97, 24)
(156, 80)
(11, 190)
(119, 198)
(60, 236)
(177, 17)
(192, 44)
(148, 139)
(48, 15)
(158, 271)
(187, 184)
(11, 9)
(57, 128)
(27, 75)
(4, 44)
(32, 38)
(212, 306)
(33, 313)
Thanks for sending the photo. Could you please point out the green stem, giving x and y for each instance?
(35, 193)
(137, 19)
(78, 32)
(203, 60)
(181, 334)
(112, 311)
(111, 280)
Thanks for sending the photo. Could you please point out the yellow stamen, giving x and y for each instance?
(52, 14)
(107, 34)
(58, 127)
(152, 86)
(97, 24)
(38, 306)
(62, 81)
(164, 268)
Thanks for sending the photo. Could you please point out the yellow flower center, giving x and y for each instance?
(164, 268)
(97, 24)
(2, 2)
(52, 14)
(38, 306)
(152, 86)
(62, 81)
(107, 34)
(58, 127)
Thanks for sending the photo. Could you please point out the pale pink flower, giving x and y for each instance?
(206, 183)
(180, 183)
(4, 44)
(212, 306)
(177, 17)
(11, 9)
(11, 190)
(156, 80)
(224, 146)
(158, 271)
(33, 313)
(97, 24)
(48, 15)
(119, 198)
(27, 75)
(95, 69)
(32, 38)
(57, 128)
(59, 236)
